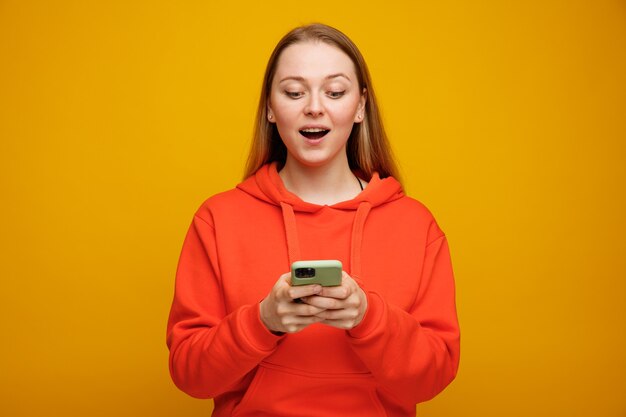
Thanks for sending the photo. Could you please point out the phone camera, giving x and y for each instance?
(305, 272)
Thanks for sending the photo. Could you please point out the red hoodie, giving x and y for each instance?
(404, 351)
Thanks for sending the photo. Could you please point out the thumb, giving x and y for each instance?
(285, 279)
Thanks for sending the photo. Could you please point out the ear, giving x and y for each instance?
(270, 113)
(360, 110)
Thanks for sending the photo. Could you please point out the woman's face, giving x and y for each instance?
(314, 101)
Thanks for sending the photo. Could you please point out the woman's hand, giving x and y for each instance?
(279, 311)
(343, 306)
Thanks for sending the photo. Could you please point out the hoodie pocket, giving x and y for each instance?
(278, 391)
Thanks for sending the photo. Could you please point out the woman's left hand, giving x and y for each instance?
(344, 305)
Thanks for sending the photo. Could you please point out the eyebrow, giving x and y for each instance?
(328, 77)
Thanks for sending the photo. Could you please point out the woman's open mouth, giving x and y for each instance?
(314, 133)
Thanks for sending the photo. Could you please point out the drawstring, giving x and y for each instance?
(293, 244)
(357, 239)
(291, 232)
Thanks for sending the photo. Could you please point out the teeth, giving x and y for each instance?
(313, 130)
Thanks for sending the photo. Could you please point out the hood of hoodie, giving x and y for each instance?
(266, 185)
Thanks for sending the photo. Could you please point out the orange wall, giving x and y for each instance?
(118, 118)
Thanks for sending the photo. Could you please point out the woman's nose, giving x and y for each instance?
(314, 106)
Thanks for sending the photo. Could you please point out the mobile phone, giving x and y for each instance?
(327, 273)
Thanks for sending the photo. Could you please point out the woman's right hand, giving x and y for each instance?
(279, 311)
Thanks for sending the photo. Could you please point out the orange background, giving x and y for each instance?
(118, 118)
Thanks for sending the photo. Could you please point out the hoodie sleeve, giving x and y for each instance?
(414, 354)
(210, 351)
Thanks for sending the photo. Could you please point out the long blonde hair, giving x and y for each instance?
(368, 148)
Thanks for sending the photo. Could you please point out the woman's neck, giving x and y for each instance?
(323, 185)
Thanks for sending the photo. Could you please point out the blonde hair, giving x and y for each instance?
(368, 148)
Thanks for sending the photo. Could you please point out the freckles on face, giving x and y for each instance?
(314, 100)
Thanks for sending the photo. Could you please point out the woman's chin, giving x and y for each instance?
(311, 159)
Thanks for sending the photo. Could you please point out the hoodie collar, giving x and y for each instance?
(267, 185)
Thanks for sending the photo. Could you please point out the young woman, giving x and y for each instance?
(319, 185)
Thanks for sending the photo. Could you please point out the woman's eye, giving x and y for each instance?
(294, 94)
(336, 94)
